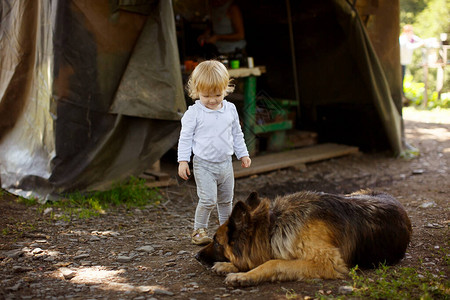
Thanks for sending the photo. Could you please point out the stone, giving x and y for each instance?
(124, 259)
(67, 273)
(146, 248)
(433, 225)
(21, 269)
(144, 289)
(345, 289)
(162, 292)
(428, 204)
(50, 259)
(62, 264)
(37, 251)
(14, 253)
(48, 210)
(15, 288)
(84, 255)
(106, 233)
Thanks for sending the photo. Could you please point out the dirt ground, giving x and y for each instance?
(146, 254)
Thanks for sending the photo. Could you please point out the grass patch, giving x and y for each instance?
(18, 229)
(132, 193)
(27, 202)
(387, 282)
(399, 283)
(291, 294)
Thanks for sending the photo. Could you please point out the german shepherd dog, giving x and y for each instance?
(307, 235)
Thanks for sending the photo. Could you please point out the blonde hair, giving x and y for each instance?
(210, 76)
(407, 28)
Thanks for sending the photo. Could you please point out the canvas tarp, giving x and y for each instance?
(90, 92)
(372, 74)
(323, 58)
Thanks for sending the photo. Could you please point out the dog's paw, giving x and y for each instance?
(223, 268)
(238, 279)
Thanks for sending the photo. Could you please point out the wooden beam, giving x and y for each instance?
(285, 159)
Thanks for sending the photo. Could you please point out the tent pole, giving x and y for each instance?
(294, 62)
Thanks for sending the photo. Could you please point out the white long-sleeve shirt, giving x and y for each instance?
(407, 47)
(213, 135)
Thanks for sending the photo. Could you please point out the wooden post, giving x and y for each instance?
(250, 113)
(425, 81)
(441, 70)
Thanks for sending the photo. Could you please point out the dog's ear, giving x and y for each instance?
(238, 228)
(253, 200)
(240, 216)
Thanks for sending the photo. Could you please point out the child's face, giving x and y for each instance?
(212, 100)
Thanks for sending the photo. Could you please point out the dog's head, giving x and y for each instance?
(214, 251)
(233, 238)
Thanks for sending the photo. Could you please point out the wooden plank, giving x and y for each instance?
(163, 183)
(245, 72)
(285, 159)
(159, 175)
(147, 177)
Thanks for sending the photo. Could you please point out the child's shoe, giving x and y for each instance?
(200, 237)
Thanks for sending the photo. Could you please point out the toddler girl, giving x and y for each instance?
(210, 129)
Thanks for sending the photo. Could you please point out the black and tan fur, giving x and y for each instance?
(307, 235)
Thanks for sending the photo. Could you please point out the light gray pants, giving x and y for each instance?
(215, 186)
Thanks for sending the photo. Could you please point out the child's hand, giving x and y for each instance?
(212, 39)
(246, 162)
(183, 170)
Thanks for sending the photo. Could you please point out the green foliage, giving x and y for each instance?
(414, 91)
(409, 9)
(28, 202)
(429, 18)
(399, 283)
(291, 294)
(133, 193)
(433, 19)
(434, 102)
